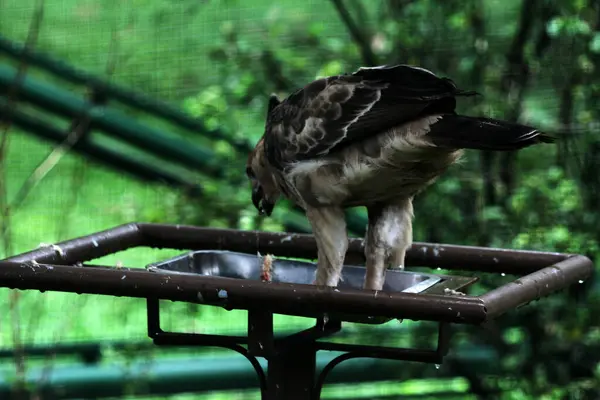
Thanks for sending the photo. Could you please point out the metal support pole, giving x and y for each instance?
(292, 360)
(291, 374)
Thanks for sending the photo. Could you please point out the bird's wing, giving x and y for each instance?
(333, 112)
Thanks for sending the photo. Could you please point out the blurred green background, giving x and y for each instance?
(216, 62)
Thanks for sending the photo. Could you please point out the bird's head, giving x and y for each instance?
(265, 191)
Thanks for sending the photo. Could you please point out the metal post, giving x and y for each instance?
(292, 361)
(291, 373)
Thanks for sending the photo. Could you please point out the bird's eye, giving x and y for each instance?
(250, 173)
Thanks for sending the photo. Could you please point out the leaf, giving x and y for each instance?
(331, 68)
(595, 43)
(555, 26)
(571, 26)
(579, 26)
(458, 20)
(493, 214)
(559, 234)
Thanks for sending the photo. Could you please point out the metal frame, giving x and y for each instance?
(291, 359)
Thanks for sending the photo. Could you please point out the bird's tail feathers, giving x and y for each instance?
(466, 93)
(480, 133)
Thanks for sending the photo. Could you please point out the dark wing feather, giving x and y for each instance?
(480, 133)
(333, 112)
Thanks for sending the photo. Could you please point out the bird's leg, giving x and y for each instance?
(389, 235)
(404, 214)
(329, 227)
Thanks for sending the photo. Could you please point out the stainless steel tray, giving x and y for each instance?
(234, 265)
(246, 266)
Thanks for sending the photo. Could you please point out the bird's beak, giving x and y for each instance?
(267, 207)
(263, 206)
(257, 195)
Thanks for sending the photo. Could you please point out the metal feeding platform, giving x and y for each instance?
(223, 269)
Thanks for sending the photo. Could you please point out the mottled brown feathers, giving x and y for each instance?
(334, 112)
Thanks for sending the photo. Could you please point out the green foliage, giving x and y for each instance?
(549, 211)
(568, 26)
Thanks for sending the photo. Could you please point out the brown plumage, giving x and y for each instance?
(374, 138)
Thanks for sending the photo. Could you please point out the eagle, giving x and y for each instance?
(373, 138)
